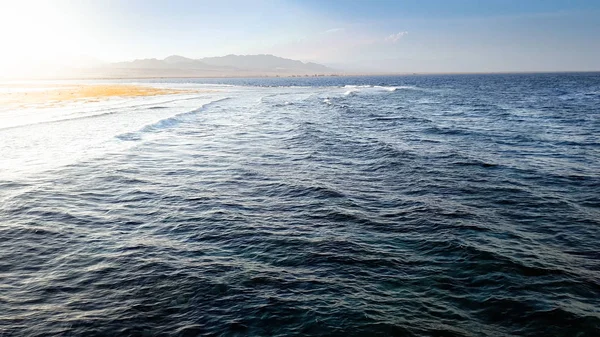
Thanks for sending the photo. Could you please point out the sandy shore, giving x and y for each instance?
(53, 95)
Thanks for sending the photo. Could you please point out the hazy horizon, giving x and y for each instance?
(358, 36)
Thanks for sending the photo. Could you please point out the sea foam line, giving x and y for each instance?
(166, 122)
(97, 111)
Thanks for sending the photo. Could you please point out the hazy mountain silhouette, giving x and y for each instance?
(265, 63)
(230, 65)
(175, 66)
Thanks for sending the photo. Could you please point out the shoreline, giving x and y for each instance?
(56, 94)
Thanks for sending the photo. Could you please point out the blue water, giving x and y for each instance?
(458, 205)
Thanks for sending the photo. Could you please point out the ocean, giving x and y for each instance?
(450, 205)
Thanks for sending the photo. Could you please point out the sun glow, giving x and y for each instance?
(36, 36)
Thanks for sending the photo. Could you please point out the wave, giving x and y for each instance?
(390, 88)
(401, 87)
(243, 214)
(284, 104)
(358, 86)
(99, 112)
(165, 123)
(354, 89)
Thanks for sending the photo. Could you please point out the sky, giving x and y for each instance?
(375, 35)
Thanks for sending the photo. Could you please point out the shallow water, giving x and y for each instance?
(369, 206)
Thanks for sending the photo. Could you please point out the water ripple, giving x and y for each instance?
(414, 206)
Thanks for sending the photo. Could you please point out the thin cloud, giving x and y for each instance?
(396, 37)
(333, 30)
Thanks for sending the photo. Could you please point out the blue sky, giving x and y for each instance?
(376, 35)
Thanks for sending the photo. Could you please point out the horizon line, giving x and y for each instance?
(344, 74)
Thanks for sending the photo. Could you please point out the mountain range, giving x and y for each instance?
(223, 66)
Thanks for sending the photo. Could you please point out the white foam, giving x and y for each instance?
(358, 86)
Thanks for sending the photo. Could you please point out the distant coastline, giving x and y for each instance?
(229, 66)
(344, 74)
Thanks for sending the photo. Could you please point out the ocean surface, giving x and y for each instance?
(456, 205)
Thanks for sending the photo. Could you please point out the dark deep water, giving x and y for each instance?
(464, 205)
